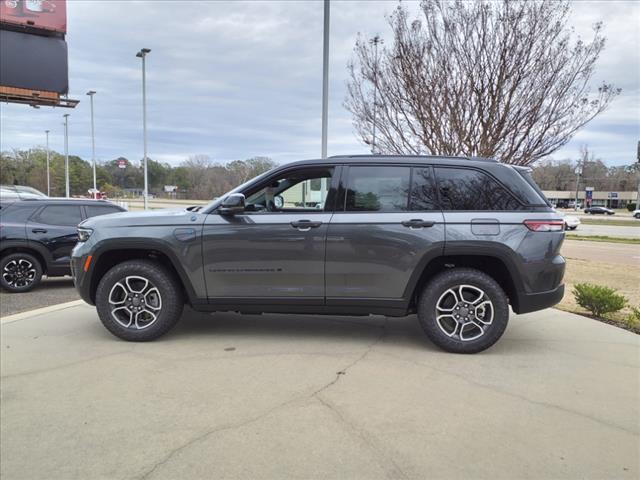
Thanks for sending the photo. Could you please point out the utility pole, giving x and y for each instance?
(48, 157)
(91, 93)
(375, 41)
(142, 54)
(325, 79)
(66, 154)
(579, 168)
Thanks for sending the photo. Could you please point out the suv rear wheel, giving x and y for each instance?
(20, 272)
(139, 300)
(463, 310)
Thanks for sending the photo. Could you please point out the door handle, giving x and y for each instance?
(39, 230)
(418, 223)
(305, 225)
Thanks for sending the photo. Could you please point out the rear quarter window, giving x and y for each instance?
(97, 210)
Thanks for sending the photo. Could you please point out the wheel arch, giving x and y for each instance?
(9, 248)
(110, 254)
(493, 265)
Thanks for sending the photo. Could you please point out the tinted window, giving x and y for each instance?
(423, 190)
(16, 212)
(378, 189)
(96, 210)
(463, 189)
(60, 215)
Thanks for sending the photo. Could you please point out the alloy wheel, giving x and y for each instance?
(464, 312)
(135, 302)
(19, 273)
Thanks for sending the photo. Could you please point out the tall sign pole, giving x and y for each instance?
(66, 154)
(142, 54)
(638, 196)
(91, 93)
(325, 79)
(48, 158)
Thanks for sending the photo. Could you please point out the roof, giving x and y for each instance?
(431, 159)
(55, 200)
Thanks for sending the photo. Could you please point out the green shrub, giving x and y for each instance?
(597, 299)
(633, 320)
(631, 206)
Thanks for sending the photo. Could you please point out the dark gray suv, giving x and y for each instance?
(455, 240)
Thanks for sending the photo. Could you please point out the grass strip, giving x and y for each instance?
(602, 238)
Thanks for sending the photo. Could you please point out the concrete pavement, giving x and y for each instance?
(276, 397)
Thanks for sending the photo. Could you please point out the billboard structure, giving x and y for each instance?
(33, 53)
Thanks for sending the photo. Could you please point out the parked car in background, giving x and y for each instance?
(636, 213)
(37, 235)
(571, 222)
(19, 192)
(599, 211)
(455, 240)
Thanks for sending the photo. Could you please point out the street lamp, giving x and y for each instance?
(375, 41)
(142, 54)
(91, 93)
(48, 155)
(66, 153)
(325, 79)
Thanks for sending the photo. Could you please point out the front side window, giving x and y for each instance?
(67, 215)
(297, 191)
(465, 189)
(378, 189)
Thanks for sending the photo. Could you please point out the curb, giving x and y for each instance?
(39, 311)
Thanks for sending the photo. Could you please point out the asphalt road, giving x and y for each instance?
(278, 397)
(607, 230)
(616, 253)
(50, 292)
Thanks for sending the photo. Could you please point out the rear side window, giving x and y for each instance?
(424, 195)
(63, 215)
(16, 212)
(466, 189)
(378, 189)
(97, 210)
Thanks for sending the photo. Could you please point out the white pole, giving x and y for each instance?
(93, 146)
(142, 54)
(66, 153)
(48, 157)
(325, 79)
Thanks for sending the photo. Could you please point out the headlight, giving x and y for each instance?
(84, 234)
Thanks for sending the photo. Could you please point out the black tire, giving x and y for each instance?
(436, 290)
(170, 301)
(27, 277)
(572, 228)
(637, 215)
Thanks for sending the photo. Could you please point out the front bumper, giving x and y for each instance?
(81, 279)
(531, 302)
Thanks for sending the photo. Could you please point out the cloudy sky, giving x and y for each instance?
(234, 80)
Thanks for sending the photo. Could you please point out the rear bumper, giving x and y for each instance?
(531, 302)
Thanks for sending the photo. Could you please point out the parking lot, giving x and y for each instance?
(230, 396)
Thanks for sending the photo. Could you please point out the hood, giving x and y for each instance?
(150, 217)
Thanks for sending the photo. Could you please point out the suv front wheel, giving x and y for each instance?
(463, 310)
(139, 300)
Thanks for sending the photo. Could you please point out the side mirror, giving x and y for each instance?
(233, 204)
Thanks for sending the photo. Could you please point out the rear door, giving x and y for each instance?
(54, 227)
(386, 228)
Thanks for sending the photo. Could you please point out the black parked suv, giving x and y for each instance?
(37, 236)
(454, 240)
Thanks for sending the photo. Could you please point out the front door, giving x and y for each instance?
(273, 251)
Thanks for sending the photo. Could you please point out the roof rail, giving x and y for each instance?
(448, 157)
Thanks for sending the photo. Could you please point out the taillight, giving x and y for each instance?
(545, 225)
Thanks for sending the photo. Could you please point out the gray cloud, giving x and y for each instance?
(237, 79)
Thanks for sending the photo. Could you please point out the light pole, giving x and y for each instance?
(325, 79)
(91, 93)
(375, 41)
(66, 153)
(142, 54)
(579, 168)
(48, 155)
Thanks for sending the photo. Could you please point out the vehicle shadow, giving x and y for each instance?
(363, 330)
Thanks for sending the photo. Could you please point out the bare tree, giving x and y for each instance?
(504, 79)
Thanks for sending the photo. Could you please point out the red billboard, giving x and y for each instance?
(37, 14)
